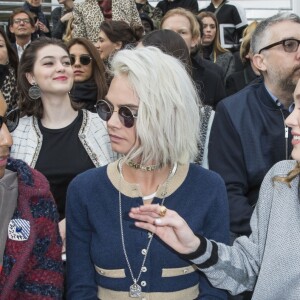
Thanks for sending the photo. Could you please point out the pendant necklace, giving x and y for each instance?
(135, 290)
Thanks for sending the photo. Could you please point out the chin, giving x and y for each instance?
(296, 154)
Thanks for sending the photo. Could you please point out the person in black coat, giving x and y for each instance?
(209, 85)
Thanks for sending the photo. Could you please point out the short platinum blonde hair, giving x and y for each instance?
(168, 121)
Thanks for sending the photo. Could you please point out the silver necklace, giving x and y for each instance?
(135, 290)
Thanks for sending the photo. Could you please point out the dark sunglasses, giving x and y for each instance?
(11, 120)
(106, 109)
(84, 59)
(289, 45)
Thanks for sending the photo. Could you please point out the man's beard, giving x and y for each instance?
(289, 83)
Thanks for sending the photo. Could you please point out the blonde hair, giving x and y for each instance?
(290, 176)
(168, 121)
(246, 39)
(69, 31)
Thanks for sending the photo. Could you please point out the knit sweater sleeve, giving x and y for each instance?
(236, 268)
(81, 278)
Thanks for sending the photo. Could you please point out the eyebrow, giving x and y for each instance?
(53, 57)
(133, 106)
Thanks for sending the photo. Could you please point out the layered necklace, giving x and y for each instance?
(135, 290)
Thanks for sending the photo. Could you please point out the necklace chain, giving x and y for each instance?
(135, 280)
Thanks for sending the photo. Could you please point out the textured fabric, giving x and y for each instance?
(154, 13)
(8, 204)
(32, 268)
(88, 17)
(93, 135)
(267, 261)
(247, 138)
(8, 86)
(94, 238)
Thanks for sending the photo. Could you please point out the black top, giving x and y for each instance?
(209, 85)
(61, 158)
(165, 5)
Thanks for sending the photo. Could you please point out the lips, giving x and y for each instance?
(3, 160)
(63, 78)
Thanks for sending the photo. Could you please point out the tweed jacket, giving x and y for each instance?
(28, 140)
(32, 265)
(88, 17)
(96, 261)
(268, 261)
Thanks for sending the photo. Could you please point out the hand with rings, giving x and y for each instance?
(168, 225)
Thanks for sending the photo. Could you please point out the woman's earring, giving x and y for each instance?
(34, 92)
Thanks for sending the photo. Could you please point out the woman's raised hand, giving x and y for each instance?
(167, 225)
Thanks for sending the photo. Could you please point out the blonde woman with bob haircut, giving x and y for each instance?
(152, 115)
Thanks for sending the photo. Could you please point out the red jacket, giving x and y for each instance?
(32, 269)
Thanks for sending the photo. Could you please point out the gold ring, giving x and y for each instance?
(162, 211)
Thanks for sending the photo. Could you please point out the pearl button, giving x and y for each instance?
(143, 283)
(144, 269)
(144, 251)
(185, 271)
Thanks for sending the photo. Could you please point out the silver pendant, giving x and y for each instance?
(135, 291)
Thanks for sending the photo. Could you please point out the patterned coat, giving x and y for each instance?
(88, 17)
(32, 268)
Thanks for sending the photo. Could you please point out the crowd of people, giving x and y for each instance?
(145, 152)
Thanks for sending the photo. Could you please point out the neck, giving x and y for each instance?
(216, 3)
(58, 112)
(23, 40)
(285, 97)
(147, 180)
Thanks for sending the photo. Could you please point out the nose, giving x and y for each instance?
(5, 137)
(60, 67)
(114, 121)
(292, 119)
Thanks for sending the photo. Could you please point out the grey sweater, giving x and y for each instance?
(267, 262)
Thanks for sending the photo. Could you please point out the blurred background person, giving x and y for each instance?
(42, 25)
(238, 80)
(147, 23)
(89, 73)
(210, 86)
(154, 13)
(8, 72)
(21, 26)
(60, 17)
(89, 15)
(114, 36)
(232, 21)
(211, 47)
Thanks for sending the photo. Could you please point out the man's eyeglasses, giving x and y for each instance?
(106, 109)
(11, 120)
(289, 45)
(18, 21)
(84, 59)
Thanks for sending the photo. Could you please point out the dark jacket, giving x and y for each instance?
(209, 85)
(32, 268)
(166, 5)
(247, 138)
(238, 80)
(58, 27)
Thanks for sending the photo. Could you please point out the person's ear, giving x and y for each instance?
(259, 62)
(118, 45)
(30, 78)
